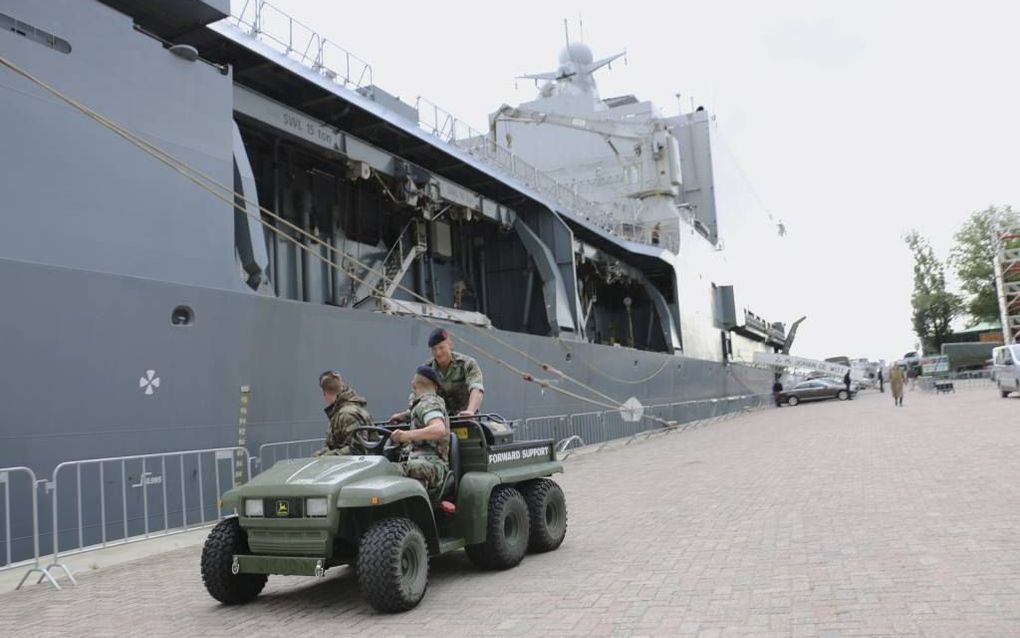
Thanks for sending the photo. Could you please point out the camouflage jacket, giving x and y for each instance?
(460, 377)
(345, 414)
(424, 409)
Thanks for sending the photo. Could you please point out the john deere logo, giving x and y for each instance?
(282, 509)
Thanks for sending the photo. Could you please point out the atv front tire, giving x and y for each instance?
(225, 540)
(506, 532)
(547, 511)
(393, 565)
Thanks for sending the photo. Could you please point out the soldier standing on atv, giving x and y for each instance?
(429, 435)
(346, 411)
(460, 378)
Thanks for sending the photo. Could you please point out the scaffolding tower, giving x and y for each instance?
(1007, 281)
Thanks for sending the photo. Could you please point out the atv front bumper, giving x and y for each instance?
(284, 565)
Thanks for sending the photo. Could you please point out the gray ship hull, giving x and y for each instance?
(77, 345)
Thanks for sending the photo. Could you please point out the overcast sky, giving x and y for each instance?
(854, 121)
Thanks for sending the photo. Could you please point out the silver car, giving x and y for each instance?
(815, 390)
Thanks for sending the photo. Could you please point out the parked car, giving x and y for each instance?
(1006, 368)
(815, 390)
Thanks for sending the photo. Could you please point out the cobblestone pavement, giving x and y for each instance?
(834, 519)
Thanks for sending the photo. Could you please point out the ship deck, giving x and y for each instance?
(830, 519)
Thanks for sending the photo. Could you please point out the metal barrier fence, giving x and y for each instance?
(568, 430)
(8, 476)
(964, 381)
(270, 453)
(592, 428)
(124, 499)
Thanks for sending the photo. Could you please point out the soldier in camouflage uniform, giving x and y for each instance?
(346, 411)
(460, 378)
(429, 436)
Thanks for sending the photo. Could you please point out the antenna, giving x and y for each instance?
(566, 31)
(580, 24)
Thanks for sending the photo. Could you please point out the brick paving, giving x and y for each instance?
(834, 519)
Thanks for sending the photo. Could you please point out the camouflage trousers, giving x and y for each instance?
(427, 468)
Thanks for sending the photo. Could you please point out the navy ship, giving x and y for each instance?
(577, 248)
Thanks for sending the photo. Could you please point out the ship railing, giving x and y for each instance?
(267, 23)
(444, 125)
(98, 503)
(26, 490)
(665, 234)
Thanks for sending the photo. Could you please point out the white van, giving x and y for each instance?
(1006, 368)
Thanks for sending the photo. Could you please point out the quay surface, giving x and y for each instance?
(832, 519)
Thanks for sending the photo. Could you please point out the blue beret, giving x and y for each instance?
(428, 373)
(438, 335)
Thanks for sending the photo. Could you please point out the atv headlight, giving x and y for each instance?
(315, 506)
(253, 507)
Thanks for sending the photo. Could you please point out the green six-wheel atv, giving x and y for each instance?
(302, 517)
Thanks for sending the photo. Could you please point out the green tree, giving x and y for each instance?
(972, 256)
(934, 307)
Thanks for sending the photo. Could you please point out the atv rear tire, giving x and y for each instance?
(506, 532)
(393, 565)
(547, 511)
(225, 540)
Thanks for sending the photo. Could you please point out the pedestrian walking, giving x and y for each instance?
(846, 380)
(881, 381)
(896, 384)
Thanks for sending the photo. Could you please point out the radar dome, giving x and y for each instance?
(576, 52)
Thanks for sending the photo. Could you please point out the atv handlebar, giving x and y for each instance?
(374, 447)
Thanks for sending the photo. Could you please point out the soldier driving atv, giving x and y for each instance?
(372, 512)
(430, 431)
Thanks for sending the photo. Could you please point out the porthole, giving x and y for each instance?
(182, 316)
